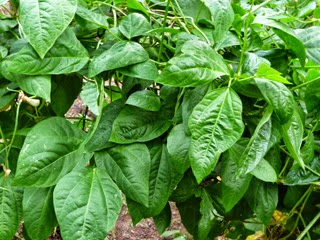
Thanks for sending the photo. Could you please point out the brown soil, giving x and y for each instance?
(124, 229)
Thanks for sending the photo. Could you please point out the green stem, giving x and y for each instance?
(163, 25)
(306, 230)
(13, 134)
(304, 84)
(313, 171)
(256, 8)
(304, 196)
(96, 123)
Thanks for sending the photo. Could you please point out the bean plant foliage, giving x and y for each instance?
(211, 104)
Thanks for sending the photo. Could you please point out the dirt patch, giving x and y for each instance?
(146, 229)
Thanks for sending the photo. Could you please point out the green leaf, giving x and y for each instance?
(65, 89)
(133, 25)
(66, 56)
(39, 86)
(121, 54)
(129, 166)
(221, 15)
(186, 188)
(50, 150)
(311, 96)
(197, 65)
(44, 21)
(10, 208)
(215, 125)
(87, 204)
(279, 96)
(194, 9)
(286, 34)
(209, 219)
(38, 211)
(145, 99)
(162, 181)
(292, 133)
(190, 214)
(263, 199)
(233, 186)
(134, 4)
(137, 125)
(89, 95)
(257, 146)
(265, 172)
(178, 143)
(307, 151)
(145, 70)
(91, 16)
(311, 41)
(265, 71)
(299, 176)
(163, 220)
(100, 139)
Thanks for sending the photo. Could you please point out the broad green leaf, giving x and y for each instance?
(133, 25)
(50, 150)
(100, 138)
(233, 186)
(186, 188)
(307, 151)
(190, 214)
(66, 56)
(247, 88)
(65, 89)
(311, 40)
(145, 70)
(221, 15)
(44, 21)
(209, 219)
(89, 95)
(129, 166)
(145, 99)
(178, 143)
(194, 9)
(39, 86)
(163, 220)
(197, 65)
(292, 133)
(190, 99)
(286, 34)
(263, 199)
(299, 176)
(215, 125)
(137, 125)
(121, 54)
(312, 96)
(38, 211)
(135, 4)
(87, 204)
(3, 52)
(10, 208)
(7, 24)
(279, 96)
(257, 146)
(162, 181)
(265, 172)
(265, 71)
(91, 16)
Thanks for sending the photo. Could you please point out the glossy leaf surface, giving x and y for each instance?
(87, 204)
(43, 29)
(215, 125)
(129, 166)
(50, 151)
